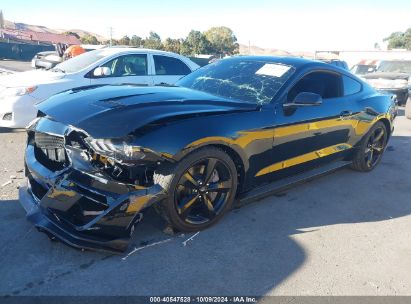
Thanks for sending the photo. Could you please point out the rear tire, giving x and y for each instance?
(201, 189)
(372, 146)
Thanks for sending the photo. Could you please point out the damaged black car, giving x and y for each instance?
(232, 131)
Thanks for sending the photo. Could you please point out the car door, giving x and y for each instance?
(126, 69)
(168, 70)
(310, 135)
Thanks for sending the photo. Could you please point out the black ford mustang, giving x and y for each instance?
(232, 131)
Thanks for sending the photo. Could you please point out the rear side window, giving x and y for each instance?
(351, 86)
(170, 66)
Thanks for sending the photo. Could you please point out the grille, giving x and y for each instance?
(47, 141)
(50, 151)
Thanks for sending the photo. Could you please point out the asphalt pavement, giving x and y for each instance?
(347, 233)
(10, 66)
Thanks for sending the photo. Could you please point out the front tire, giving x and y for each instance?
(372, 147)
(201, 189)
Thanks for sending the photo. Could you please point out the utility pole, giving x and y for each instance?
(111, 36)
(1, 24)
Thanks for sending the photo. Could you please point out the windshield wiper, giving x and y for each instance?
(164, 84)
(58, 70)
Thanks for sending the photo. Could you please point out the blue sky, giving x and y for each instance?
(290, 25)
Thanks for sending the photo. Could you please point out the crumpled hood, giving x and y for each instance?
(386, 75)
(29, 78)
(116, 111)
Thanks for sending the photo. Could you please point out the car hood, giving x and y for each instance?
(386, 75)
(117, 111)
(29, 78)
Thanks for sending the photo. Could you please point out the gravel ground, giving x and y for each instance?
(11, 162)
(348, 233)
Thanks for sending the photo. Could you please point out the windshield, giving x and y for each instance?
(246, 80)
(80, 62)
(395, 67)
(362, 69)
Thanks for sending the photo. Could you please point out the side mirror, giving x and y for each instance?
(102, 72)
(305, 99)
(370, 70)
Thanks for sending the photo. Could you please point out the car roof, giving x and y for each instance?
(119, 50)
(293, 61)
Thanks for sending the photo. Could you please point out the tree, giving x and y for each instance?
(172, 45)
(136, 41)
(197, 43)
(153, 41)
(400, 40)
(1, 20)
(125, 40)
(185, 48)
(89, 39)
(69, 33)
(222, 41)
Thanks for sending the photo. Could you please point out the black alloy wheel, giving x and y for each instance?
(375, 147)
(371, 149)
(201, 189)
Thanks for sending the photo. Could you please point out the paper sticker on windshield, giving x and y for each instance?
(272, 69)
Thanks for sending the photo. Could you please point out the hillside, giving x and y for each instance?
(255, 50)
(244, 49)
(44, 29)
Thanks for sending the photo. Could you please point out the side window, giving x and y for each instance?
(328, 85)
(351, 86)
(128, 65)
(170, 66)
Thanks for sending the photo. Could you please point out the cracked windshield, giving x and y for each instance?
(250, 81)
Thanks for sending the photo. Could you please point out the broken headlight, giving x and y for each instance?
(116, 149)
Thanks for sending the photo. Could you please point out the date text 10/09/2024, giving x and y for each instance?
(199, 299)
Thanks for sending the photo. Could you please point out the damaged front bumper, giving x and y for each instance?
(79, 205)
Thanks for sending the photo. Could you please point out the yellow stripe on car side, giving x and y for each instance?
(304, 158)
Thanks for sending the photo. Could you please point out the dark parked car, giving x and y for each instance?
(392, 77)
(339, 63)
(232, 131)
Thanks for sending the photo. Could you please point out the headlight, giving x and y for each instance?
(17, 91)
(116, 149)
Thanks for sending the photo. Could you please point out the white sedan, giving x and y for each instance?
(20, 92)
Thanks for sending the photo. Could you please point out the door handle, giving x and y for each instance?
(345, 113)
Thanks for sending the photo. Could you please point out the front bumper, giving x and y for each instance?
(17, 111)
(81, 206)
(68, 236)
